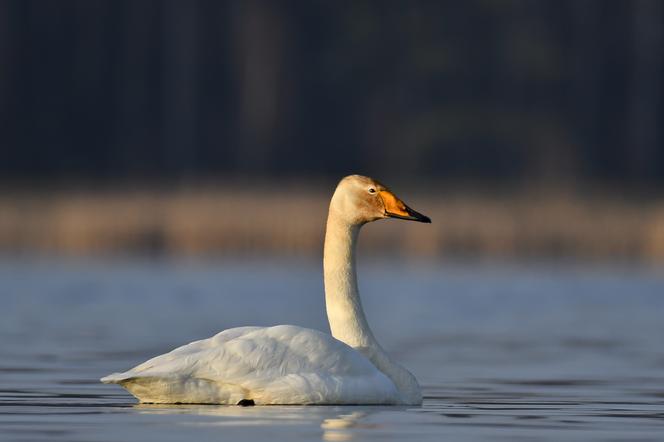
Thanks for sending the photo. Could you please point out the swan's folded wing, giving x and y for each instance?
(282, 364)
(182, 360)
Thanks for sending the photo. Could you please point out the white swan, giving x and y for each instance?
(288, 364)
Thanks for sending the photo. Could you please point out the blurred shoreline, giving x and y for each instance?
(289, 220)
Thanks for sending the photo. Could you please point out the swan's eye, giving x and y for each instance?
(372, 190)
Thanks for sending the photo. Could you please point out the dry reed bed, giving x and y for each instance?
(254, 221)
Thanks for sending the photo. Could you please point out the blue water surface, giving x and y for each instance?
(503, 352)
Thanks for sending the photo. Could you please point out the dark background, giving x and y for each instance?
(506, 92)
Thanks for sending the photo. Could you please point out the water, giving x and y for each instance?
(502, 352)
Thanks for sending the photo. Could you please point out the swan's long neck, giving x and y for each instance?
(342, 298)
(344, 307)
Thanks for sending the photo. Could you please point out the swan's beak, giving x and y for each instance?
(395, 208)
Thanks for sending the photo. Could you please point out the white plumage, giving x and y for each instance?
(288, 364)
(270, 365)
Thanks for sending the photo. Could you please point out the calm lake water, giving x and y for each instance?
(502, 352)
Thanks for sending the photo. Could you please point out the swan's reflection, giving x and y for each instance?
(339, 428)
(336, 422)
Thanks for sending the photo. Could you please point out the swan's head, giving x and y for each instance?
(360, 199)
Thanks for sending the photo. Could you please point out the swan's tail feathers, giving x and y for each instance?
(117, 378)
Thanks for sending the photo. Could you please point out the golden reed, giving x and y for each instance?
(234, 220)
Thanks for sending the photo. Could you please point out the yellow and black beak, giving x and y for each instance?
(395, 208)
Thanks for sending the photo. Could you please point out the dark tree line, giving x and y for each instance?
(499, 90)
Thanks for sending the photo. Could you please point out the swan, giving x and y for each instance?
(286, 364)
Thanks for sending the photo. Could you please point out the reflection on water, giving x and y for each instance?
(337, 429)
(502, 353)
(333, 428)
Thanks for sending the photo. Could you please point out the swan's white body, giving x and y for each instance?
(288, 364)
(270, 365)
